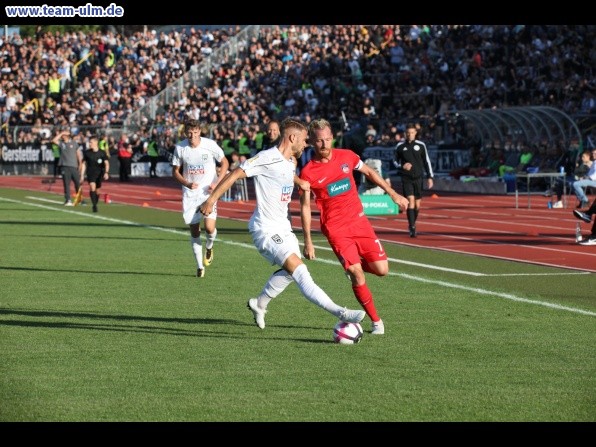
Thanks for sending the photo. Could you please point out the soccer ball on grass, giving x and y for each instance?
(347, 333)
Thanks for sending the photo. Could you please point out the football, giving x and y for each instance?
(347, 333)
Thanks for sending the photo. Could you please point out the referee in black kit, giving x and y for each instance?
(411, 160)
(97, 166)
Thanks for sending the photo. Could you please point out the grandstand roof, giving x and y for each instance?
(514, 126)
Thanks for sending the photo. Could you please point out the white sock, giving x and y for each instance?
(197, 249)
(276, 284)
(210, 239)
(314, 293)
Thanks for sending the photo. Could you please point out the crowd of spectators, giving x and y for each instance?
(375, 77)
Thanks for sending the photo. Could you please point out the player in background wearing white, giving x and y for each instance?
(194, 166)
(274, 174)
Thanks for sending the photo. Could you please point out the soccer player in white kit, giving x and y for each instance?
(274, 174)
(194, 166)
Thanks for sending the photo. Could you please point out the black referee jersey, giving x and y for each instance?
(96, 163)
(413, 152)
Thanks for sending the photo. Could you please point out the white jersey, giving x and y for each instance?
(198, 166)
(274, 182)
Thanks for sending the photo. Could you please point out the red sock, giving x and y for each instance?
(365, 298)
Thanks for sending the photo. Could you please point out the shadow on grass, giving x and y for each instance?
(103, 272)
(118, 327)
(104, 224)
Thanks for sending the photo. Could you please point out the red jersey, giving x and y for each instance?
(334, 189)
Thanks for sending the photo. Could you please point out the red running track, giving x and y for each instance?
(482, 225)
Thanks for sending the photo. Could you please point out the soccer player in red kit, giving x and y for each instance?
(343, 222)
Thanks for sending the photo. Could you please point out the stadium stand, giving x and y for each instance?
(234, 80)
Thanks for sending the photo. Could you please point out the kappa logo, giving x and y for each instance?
(338, 187)
(322, 180)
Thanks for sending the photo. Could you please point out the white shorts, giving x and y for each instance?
(276, 247)
(189, 210)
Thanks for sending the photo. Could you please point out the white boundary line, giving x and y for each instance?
(507, 296)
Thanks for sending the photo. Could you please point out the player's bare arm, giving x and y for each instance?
(302, 184)
(226, 183)
(224, 166)
(177, 174)
(306, 217)
(374, 177)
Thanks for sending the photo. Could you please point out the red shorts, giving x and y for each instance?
(354, 242)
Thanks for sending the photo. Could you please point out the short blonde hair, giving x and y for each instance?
(319, 124)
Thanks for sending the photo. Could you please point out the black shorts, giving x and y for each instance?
(412, 187)
(94, 177)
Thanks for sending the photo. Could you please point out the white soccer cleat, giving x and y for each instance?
(378, 328)
(257, 312)
(352, 316)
